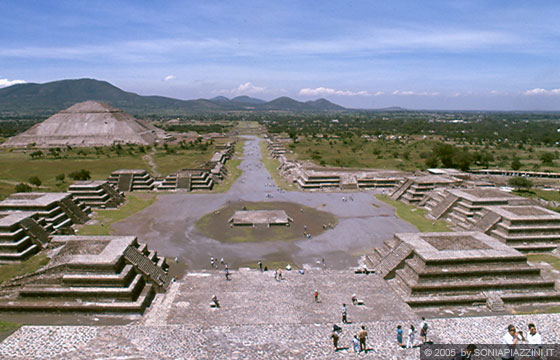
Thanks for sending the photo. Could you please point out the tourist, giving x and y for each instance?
(335, 338)
(354, 299)
(276, 275)
(356, 344)
(510, 339)
(399, 336)
(222, 261)
(423, 330)
(227, 274)
(344, 314)
(279, 274)
(410, 341)
(362, 336)
(316, 295)
(534, 340)
(289, 267)
(215, 302)
(260, 266)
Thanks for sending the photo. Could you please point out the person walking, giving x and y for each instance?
(344, 314)
(316, 295)
(410, 340)
(362, 336)
(260, 266)
(356, 344)
(335, 337)
(423, 330)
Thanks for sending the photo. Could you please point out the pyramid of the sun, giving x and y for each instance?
(89, 123)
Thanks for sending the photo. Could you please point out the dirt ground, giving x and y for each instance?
(168, 225)
(305, 219)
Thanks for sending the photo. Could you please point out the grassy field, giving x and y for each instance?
(170, 163)
(554, 261)
(232, 167)
(30, 265)
(407, 154)
(415, 216)
(271, 165)
(134, 203)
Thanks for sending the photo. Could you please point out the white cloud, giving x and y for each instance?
(169, 77)
(539, 91)
(6, 82)
(414, 93)
(329, 91)
(243, 89)
(249, 88)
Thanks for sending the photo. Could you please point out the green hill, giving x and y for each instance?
(54, 96)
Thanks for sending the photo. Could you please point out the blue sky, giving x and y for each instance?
(488, 55)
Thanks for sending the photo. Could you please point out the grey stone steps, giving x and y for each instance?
(503, 284)
(536, 247)
(444, 206)
(96, 279)
(128, 292)
(487, 222)
(449, 300)
(147, 267)
(525, 237)
(16, 246)
(21, 255)
(531, 297)
(398, 255)
(399, 191)
(8, 236)
(138, 305)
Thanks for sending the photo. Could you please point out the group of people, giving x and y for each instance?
(358, 341)
(412, 334)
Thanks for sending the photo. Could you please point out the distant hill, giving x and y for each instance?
(57, 95)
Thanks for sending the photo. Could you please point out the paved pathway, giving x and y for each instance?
(168, 225)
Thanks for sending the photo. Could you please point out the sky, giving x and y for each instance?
(448, 55)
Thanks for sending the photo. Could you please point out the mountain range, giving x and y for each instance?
(57, 95)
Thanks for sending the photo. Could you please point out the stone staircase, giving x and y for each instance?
(486, 222)
(401, 189)
(125, 182)
(444, 206)
(123, 278)
(147, 267)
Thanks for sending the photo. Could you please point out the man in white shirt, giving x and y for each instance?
(511, 338)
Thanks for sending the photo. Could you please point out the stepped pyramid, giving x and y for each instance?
(87, 124)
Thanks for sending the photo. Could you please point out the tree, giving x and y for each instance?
(60, 177)
(22, 187)
(547, 158)
(520, 182)
(35, 154)
(83, 174)
(516, 164)
(34, 180)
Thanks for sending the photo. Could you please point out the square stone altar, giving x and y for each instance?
(260, 217)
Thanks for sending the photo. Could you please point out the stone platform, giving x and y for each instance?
(461, 269)
(261, 318)
(260, 217)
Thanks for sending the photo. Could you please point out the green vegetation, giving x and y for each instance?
(415, 216)
(30, 265)
(134, 203)
(271, 165)
(232, 167)
(8, 327)
(548, 195)
(168, 162)
(554, 261)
